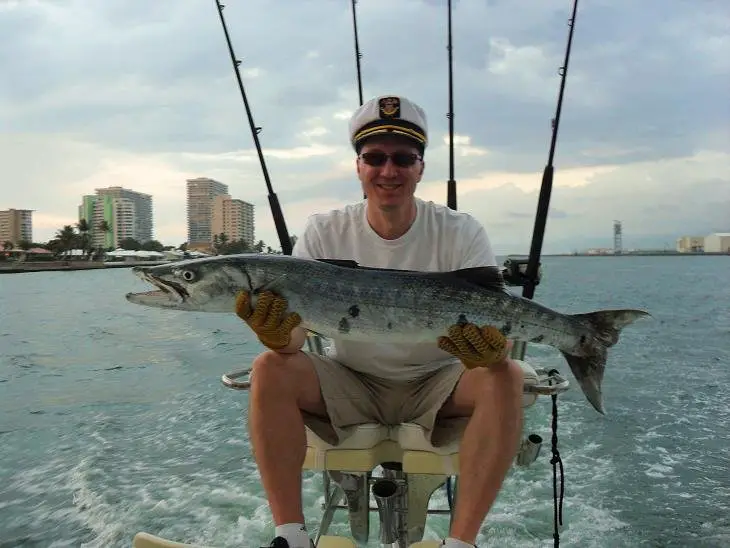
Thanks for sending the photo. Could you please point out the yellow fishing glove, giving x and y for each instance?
(266, 320)
(475, 347)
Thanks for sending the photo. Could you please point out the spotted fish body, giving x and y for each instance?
(338, 299)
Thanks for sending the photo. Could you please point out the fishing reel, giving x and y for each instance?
(515, 272)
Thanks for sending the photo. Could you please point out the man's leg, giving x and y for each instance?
(492, 398)
(282, 386)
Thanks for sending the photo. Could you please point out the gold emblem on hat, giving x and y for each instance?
(389, 107)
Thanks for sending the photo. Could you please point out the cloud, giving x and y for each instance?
(144, 96)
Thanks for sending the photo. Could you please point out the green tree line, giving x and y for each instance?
(78, 236)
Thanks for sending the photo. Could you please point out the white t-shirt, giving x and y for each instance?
(439, 239)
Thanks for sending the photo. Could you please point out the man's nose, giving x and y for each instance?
(389, 169)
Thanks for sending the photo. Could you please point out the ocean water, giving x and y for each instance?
(113, 419)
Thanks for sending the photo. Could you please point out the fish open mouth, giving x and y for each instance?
(173, 292)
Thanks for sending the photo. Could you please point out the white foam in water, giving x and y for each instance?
(90, 456)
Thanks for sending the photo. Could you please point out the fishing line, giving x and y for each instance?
(531, 277)
(279, 221)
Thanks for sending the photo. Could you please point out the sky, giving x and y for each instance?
(143, 95)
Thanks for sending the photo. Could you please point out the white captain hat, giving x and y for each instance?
(391, 114)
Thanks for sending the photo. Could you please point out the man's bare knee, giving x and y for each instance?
(482, 386)
(288, 376)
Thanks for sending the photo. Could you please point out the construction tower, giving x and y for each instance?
(617, 244)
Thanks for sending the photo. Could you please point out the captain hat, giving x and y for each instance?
(389, 114)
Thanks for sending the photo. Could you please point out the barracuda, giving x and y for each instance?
(339, 299)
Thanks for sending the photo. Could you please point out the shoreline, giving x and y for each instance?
(68, 266)
(641, 254)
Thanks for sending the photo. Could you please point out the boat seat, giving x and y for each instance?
(368, 445)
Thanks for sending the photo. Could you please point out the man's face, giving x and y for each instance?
(389, 168)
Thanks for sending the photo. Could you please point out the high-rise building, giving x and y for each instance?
(99, 214)
(201, 193)
(234, 218)
(142, 224)
(124, 213)
(16, 225)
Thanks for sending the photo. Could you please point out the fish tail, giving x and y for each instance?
(589, 366)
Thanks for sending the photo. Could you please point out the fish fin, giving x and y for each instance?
(489, 277)
(347, 263)
(588, 371)
(589, 367)
(269, 286)
(608, 323)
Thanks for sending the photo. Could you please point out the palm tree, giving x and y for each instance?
(219, 242)
(66, 238)
(104, 227)
(83, 228)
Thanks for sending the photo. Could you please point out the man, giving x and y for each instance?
(464, 374)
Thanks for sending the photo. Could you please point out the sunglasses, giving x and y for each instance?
(400, 159)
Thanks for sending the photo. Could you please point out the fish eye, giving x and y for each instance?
(188, 275)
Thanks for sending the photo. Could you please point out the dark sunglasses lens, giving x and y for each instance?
(377, 159)
(404, 159)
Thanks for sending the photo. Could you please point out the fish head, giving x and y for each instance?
(200, 285)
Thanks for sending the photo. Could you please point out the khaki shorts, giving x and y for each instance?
(352, 398)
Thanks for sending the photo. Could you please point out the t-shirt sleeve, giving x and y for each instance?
(308, 245)
(478, 251)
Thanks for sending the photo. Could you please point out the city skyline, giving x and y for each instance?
(713, 242)
(630, 145)
(117, 213)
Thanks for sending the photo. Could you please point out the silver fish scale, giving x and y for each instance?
(358, 304)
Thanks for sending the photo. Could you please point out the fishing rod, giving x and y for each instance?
(279, 222)
(543, 203)
(358, 55)
(451, 184)
(531, 276)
